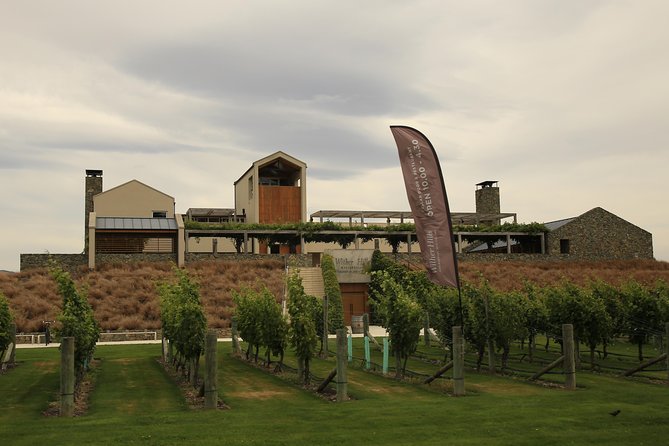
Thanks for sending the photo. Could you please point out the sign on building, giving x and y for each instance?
(352, 265)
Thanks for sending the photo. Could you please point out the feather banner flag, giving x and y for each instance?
(427, 197)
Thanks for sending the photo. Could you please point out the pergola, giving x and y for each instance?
(458, 218)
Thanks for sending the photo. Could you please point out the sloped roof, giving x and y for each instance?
(553, 225)
(269, 158)
(150, 224)
(131, 182)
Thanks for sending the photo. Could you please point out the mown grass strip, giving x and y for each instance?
(266, 410)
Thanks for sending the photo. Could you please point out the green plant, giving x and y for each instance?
(403, 318)
(76, 320)
(260, 322)
(303, 336)
(6, 322)
(333, 292)
(183, 320)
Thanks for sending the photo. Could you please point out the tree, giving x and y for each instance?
(273, 326)
(302, 333)
(403, 318)
(536, 316)
(76, 320)
(248, 317)
(444, 313)
(333, 292)
(6, 321)
(479, 320)
(510, 323)
(183, 320)
(616, 308)
(645, 314)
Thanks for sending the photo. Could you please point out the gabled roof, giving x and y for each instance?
(552, 226)
(268, 159)
(131, 182)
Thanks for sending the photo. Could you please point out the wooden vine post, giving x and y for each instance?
(366, 332)
(458, 362)
(67, 377)
(342, 363)
(489, 343)
(210, 377)
(12, 356)
(324, 352)
(569, 365)
(426, 330)
(236, 348)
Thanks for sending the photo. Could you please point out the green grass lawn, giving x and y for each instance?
(135, 402)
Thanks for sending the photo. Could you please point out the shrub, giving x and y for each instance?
(333, 292)
(76, 320)
(6, 322)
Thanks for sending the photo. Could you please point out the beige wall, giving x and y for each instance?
(132, 199)
(242, 198)
(205, 244)
(249, 202)
(383, 246)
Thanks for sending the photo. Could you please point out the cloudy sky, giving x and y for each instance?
(565, 103)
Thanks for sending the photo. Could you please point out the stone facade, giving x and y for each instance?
(298, 260)
(599, 235)
(487, 202)
(71, 262)
(68, 262)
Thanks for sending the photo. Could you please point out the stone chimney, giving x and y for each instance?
(487, 202)
(92, 188)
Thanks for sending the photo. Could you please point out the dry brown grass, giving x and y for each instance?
(508, 276)
(124, 297)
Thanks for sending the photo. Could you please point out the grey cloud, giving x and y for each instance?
(264, 75)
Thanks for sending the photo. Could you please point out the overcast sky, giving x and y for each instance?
(565, 103)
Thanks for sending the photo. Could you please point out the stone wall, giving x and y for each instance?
(70, 262)
(66, 261)
(101, 259)
(486, 257)
(303, 260)
(601, 235)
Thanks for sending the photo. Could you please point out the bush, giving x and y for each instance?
(76, 320)
(303, 336)
(183, 319)
(6, 323)
(333, 292)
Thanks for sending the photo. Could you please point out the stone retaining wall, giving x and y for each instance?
(303, 260)
(67, 261)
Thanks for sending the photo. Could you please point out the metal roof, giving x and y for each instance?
(126, 223)
(553, 225)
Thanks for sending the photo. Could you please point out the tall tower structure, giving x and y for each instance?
(487, 202)
(93, 187)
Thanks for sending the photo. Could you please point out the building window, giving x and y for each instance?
(564, 246)
(159, 214)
